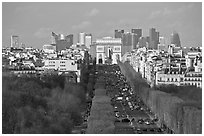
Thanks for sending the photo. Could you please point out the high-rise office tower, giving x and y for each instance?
(153, 39)
(119, 33)
(61, 42)
(81, 39)
(15, 41)
(141, 42)
(69, 39)
(175, 39)
(54, 38)
(162, 40)
(134, 40)
(162, 44)
(88, 40)
(137, 31)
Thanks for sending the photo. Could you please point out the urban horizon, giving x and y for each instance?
(41, 35)
(103, 68)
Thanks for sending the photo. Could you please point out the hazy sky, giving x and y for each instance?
(34, 22)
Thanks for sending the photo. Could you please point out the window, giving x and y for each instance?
(62, 65)
(195, 79)
(51, 61)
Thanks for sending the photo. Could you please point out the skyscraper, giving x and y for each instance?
(15, 41)
(175, 39)
(81, 38)
(88, 40)
(162, 44)
(134, 40)
(61, 42)
(154, 38)
(119, 33)
(137, 31)
(138, 34)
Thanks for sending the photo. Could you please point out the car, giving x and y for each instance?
(155, 120)
(140, 121)
(84, 125)
(152, 130)
(83, 131)
(139, 132)
(117, 120)
(126, 120)
(117, 114)
(119, 98)
(147, 122)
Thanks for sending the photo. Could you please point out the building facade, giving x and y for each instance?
(138, 32)
(108, 49)
(62, 65)
(88, 40)
(47, 48)
(61, 42)
(175, 39)
(15, 41)
(81, 38)
(154, 38)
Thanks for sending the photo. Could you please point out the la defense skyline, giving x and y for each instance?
(130, 39)
(33, 22)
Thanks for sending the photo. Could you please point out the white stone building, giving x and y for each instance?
(108, 48)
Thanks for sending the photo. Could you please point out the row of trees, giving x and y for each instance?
(40, 105)
(187, 93)
(45, 104)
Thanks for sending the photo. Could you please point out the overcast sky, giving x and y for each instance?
(34, 22)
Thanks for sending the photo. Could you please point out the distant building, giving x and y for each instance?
(15, 41)
(175, 39)
(61, 42)
(129, 39)
(108, 49)
(92, 50)
(119, 34)
(81, 38)
(88, 40)
(47, 48)
(138, 32)
(153, 39)
(134, 40)
(62, 65)
(142, 42)
(128, 42)
(175, 67)
(162, 44)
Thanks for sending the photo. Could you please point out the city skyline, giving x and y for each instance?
(34, 22)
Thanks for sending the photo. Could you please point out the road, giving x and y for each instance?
(127, 105)
(131, 115)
